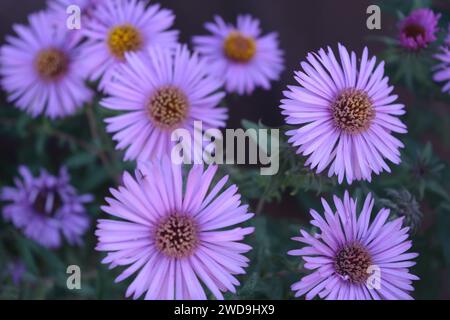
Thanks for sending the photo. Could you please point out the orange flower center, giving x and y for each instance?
(239, 48)
(124, 38)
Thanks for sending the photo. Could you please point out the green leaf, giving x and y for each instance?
(79, 160)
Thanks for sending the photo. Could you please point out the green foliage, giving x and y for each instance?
(403, 205)
(401, 8)
(82, 145)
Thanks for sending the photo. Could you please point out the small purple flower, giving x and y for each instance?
(40, 69)
(16, 270)
(344, 115)
(351, 258)
(442, 70)
(123, 26)
(159, 91)
(419, 29)
(46, 208)
(175, 236)
(240, 54)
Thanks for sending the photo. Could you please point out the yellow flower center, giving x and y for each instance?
(353, 111)
(51, 63)
(239, 48)
(168, 107)
(124, 38)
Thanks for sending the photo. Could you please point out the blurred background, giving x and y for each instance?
(303, 26)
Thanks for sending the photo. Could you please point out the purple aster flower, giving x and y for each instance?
(240, 54)
(418, 29)
(46, 208)
(174, 237)
(123, 26)
(159, 91)
(442, 70)
(344, 115)
(354, 259)
(40, 69)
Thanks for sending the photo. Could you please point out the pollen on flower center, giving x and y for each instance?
(352, 263)
(168, 106)
(124, 38)
(176, 236)
(414, 31)
(239, 48)
(40, 203)
(353, 111)
(51, 63)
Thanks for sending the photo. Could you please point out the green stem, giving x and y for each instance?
(103, 156)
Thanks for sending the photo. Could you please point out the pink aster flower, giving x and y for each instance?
(352, 258)
(419, 29)
(344, 115)
(160, 91)
(442, 70)
(175, 239)
(122, 26)
(240, 54)
(40, 69)
(46, 208)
